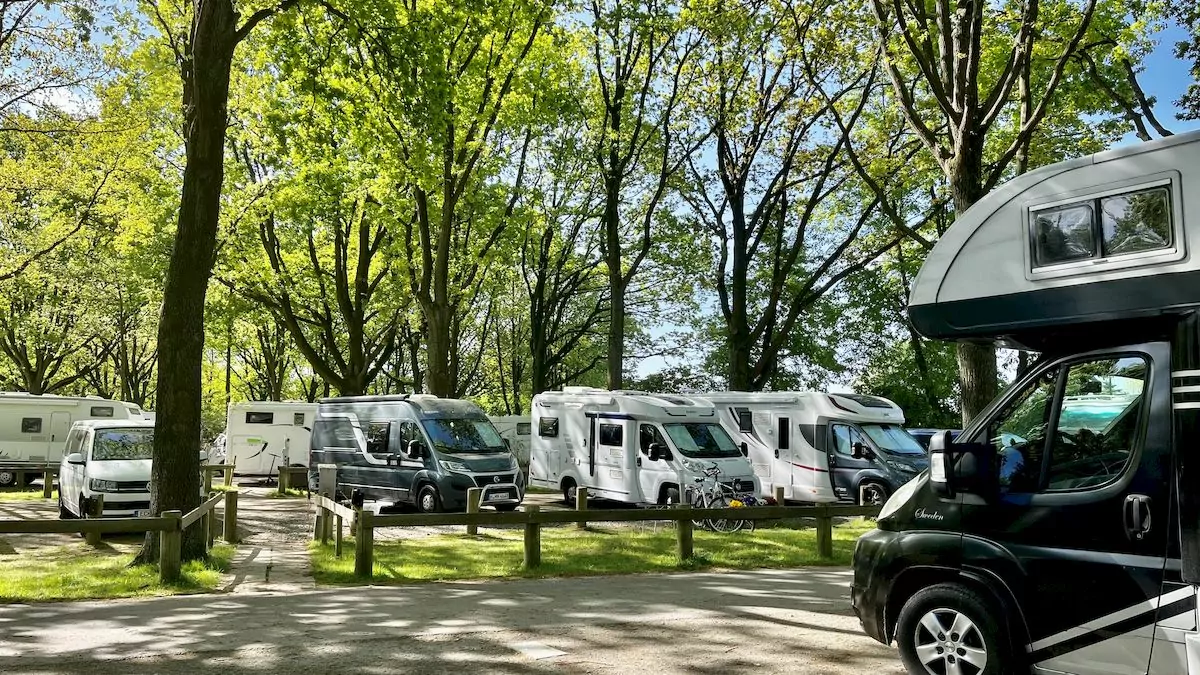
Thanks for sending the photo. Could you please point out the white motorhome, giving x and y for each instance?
(630, 447)
(33, 428)
(261, 436)
(822, 447)
(517, 430)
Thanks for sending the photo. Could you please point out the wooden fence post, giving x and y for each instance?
(231, 516)
(323, 523)
(337, 542)
(824, 532)
(228, 475)
(779, 495)
(210, 527)
(170, 548)
(684, 531)
(318, 530)
(47, 484)
(533, 538)
(207, 480)
(283, 480)
(364, 546)
(581, 505)
(95, 510)
(474, 495)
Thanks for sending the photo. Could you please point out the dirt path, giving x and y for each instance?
(273, 554)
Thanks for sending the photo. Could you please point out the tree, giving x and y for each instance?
(204, 56)
(1187, 14)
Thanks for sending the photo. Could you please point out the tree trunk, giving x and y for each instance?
(175, 473)
(616, 279)
(439, 377)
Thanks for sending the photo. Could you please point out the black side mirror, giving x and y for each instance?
(955, 468)
(659, 451)
(860, 451)
(745, 449)
(415, 449)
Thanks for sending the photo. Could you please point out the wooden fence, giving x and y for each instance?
(532, 518)
(170, 526)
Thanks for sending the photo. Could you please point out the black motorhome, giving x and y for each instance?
(415, 449)
(1060, 531)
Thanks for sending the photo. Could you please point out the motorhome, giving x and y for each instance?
(822, 447)
(517, 430)
(1060, 531)
(262, 436)
(630, 447)
(34, 427)
(414, 449)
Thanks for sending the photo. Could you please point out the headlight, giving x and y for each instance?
(898, 499)
(695, 467)
(513, 464)
(99, 485)
(457, 467)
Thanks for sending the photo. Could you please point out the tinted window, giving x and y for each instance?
(409, 433)
(377, 437)
(524, 428)
(114, 444)
(260, 418)
(647, 434)
(745, 420)
(102, 411)
(1139, 221)
(785, 437)
(611, 434)
(1019, 434)
(1064, 234)
(548, 427)
(31, 425)
(298, 419)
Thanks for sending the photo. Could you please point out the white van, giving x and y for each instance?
(261, 436)
(822, 447)
(110, 458)
(34, 427)
(630, 447)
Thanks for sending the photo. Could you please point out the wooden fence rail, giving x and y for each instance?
(531, 518)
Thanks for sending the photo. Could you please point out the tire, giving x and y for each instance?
(428, 500)
(872, 493)
(949, 628)
(568, 489)
(724, 525)
(670, 495)
(63, 512)
(506, 508)
(8, 478)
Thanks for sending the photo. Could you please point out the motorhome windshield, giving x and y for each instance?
(114, 444)
(464, 436)
(702, 440)
(892, 438)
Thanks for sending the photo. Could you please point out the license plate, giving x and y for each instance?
(497, 496)
(141, 514)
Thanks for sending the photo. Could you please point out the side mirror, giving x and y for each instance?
(76, 459)
(860, 451)
(659, 451)
(744, 448)
(415, 449)
(955, 468)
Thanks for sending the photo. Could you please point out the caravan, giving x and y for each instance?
(822, 447)
(1060, 531)
(34, 428)
(630, 447)
(517, 431)
(262, 436)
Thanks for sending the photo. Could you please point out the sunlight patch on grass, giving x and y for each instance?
(570, 552)
(292, 493)
(80, 572)
(24, 495)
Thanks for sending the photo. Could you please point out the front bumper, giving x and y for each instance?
(869, 590)
(509, 490)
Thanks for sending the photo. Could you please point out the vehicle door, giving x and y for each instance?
(654, 474)
(609, 465)
(60, 426)
(1078, 528)
(70, 482)
(406, 468)
(383, 471)
(844, 467)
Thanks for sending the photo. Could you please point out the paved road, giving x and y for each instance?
(793, 621)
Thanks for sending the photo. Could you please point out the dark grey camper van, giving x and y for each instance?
(415, 449)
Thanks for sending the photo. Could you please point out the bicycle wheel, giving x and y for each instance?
(724, 524)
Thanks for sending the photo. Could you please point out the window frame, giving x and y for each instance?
(602, 427)
(1099, 263)
(548, 427)
(27, 427)
(298, 419)
(745, 419)
(111, 411)
(263, 417)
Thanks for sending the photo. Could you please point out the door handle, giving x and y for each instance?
(776, 453)
(1137, 516)
(639, 461)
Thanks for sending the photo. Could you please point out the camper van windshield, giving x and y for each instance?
(123, 444)
(702, 440)
(891, 438)
(464, 435)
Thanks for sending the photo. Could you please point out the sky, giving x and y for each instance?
(1165, 78)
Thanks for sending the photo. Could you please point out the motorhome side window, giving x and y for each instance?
(745, 420)
(377, 437)
(524, 428)
(548, 427)
(611, 434)
(101, 411)
(785, 437)
(1087, 443)
(260, 418)
(31, 425)
(1099, 228)
(297, 419)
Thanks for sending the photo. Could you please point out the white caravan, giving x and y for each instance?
(628, 446)
(261, 436)
(822, 447)
(33, 428)
(517, 430)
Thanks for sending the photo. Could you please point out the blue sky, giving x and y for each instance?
(1165, 78)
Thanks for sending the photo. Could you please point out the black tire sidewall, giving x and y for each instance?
(978, 609)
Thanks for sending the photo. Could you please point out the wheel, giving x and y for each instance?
(506, 507)
(428, 500)
(723, 524)
(872, 494)
(670, 495)
(8, 478)
(568, 488)
(63, 512)
(949, 629)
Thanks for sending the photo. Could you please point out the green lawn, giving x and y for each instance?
(24, 495)
(80, 572)
(292, 493)
(570, 552)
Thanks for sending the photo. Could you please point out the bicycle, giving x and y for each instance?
(711, 493)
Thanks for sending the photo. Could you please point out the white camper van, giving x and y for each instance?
(628, 446)
(34, 428)
(822, 447)
(261, 436)
(517, 430)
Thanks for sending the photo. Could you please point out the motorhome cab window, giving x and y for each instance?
(699, 440)
(123, 444)
(891, 438)
(844, 438)
(647, 435)
(297, 419)
(464, 435)
(409, 432)
(260, 418)
(31, 425)
(377, 438)
(610, 434)
(1107, 226)
(102, 411)
(548, 427)
(1087, 443)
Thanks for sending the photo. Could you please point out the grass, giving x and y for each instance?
(24, 495)
(221, 487)
(292, 493)
(570, 552)
(80, 572)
